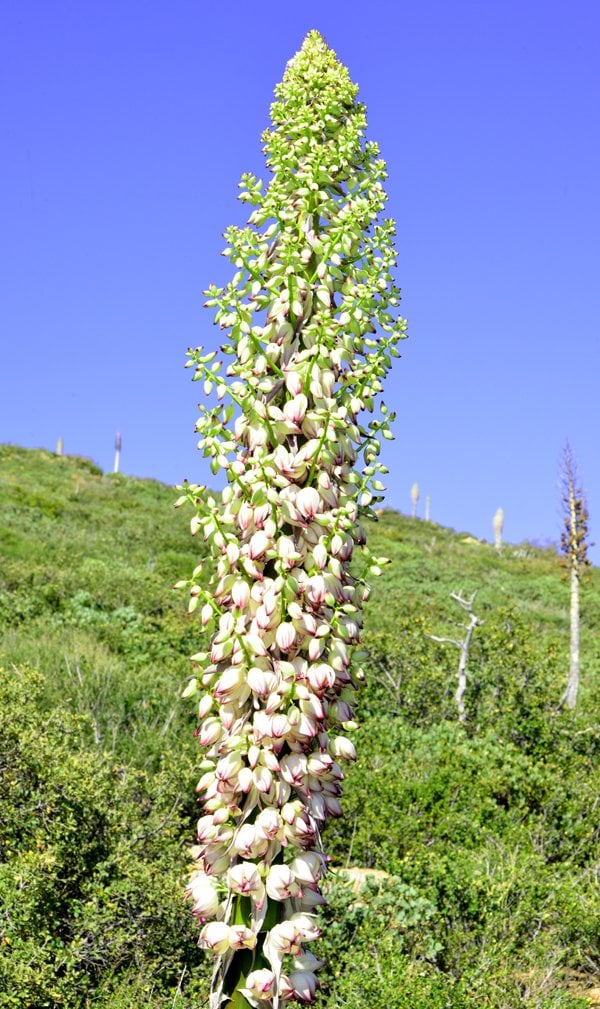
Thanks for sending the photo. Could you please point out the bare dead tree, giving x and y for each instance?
(574, 545)
(464, 645)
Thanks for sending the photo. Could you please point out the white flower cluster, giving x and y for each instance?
(281, 605)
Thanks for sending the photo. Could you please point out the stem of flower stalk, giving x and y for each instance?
(245, 960)
(237, 1000)
(242, 644)
(316, 455)
(240, 967)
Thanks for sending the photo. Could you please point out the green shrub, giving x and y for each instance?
(90, 871)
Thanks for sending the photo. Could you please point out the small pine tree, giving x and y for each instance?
(574, 546)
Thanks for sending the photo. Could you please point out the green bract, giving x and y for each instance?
(311, 324)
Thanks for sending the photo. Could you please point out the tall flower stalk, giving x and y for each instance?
(311, 329)
(574, 542)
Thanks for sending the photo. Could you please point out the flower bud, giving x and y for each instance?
(285, 636)
(204, 705)
(342, 748)
(320, 765)
(321, 678)
(333, 805)
(233, 553)
(308, 502)
(216, 936)
(203, 891)
(245, 516)
(281, 883)
(317, 590)
(308, 961)
(240, 593)
(280, 726)
(308, 867)
(316, 647)
(210, 731)
(244, 878)
(306, 925)
(311, 897)
(258, 544)
(293, 382)
(231, 684)
(317, 806)
(241, 937)
(303, 984)
(263, 779)
(257, 681)
(245, 779)
(295, 409)
(247, 843)
(320, 555)
(269, 824)
(260, 984)
(283, 938)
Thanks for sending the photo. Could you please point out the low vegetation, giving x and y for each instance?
(482, 834)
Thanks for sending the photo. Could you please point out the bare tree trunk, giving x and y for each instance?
(462, 668)
(570, 695)
(464, 645)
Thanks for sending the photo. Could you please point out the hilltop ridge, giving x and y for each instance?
(119, 540)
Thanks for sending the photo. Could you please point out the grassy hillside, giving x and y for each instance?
(487, 830)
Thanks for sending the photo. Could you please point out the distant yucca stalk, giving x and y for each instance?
(118, 445)
(574, 545)
(414, 497)
(311, 331)
(498, 524)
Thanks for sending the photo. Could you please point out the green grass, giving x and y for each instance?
(488, 830)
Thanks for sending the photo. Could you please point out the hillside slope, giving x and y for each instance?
(486, 829)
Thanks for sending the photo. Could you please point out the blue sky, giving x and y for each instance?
(126, 128)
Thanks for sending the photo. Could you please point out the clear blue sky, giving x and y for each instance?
(126, 127)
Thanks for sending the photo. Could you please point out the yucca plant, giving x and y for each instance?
(118, 446)
(311, 329)
(498, 525)
(574, 543)
(414, 497)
